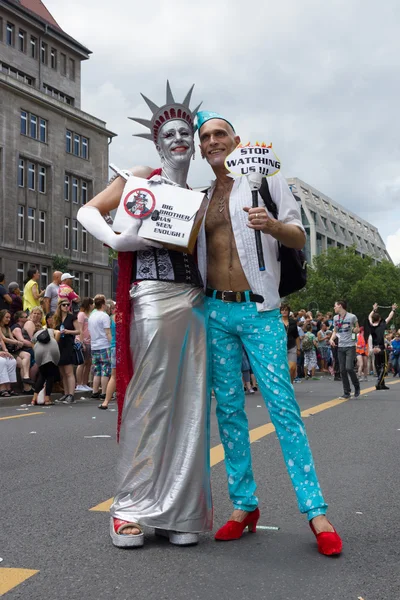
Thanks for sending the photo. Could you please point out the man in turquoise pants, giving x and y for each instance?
(243, 308)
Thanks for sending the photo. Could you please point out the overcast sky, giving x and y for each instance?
(319, 80)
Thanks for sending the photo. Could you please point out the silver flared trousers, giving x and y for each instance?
(163, 469)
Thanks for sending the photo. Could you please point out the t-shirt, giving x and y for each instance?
(52, 293)
(292, 333)
(3, 292)
(83, 319)
(308, 342)
(99, 321)
(344, 329)
(45, 353)
(396, 347)
(65, 291)
(378, 334)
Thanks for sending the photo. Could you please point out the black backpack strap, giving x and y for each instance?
(266, 196)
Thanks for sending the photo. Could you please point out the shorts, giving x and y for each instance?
(101, 361)
(310, 359)
(113, 358)
(292, 354)
(87, 353)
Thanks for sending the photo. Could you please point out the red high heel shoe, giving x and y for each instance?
(329, 542)
(233, 530)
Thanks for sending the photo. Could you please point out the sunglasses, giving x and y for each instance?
(64, 304)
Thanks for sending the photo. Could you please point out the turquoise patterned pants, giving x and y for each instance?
(232, 325)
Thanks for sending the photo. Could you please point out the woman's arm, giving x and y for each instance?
(75, 331)
(18, 335)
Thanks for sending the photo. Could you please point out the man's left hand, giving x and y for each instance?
(260, 220)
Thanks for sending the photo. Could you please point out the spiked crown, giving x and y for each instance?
(162, 114)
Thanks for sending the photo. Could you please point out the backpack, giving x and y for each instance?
(307, 342)
(293, 262)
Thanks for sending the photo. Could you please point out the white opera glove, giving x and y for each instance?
(128, 241)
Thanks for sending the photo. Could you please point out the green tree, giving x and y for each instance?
(343, 274)
(60, 263)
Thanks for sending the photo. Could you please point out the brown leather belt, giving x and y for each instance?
(229, 296)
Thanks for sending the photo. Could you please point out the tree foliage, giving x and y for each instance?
(341, 274)
(60, 263)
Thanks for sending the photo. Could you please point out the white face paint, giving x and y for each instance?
(176, 143)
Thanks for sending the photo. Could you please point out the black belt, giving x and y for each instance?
(229, 296)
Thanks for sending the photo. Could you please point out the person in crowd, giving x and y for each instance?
(34, 321)
(243, 308)
(396, 354)
(293, 340)
(246, 373)
(161, 330)
(111, 386)
(362, 356)
(66, 292)
(310, 345)
(346, 329)
(83, 371)
(5, 298)
(15, 347)
(329, 354)
(8, 371)
(47, 356)
(377, 327)
(51, 293)
(20, 332)
(16, 299)
(323, 347)
(67, 324)
(49, 320)
(100, 339)
(32, 294)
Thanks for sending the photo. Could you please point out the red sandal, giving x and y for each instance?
(329, 542)
(233, 530)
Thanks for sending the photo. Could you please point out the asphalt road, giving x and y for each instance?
(51, 475)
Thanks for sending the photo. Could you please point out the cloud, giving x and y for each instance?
(393, 246)
(319, 80)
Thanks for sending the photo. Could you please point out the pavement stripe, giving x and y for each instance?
(10, 578)
(20, 416)
(217, 453)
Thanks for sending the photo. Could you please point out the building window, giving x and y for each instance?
(85, 148)
(74, 234)
(44, 277)
(24, 122)
(42, 180)
(43, 130)
(84, 188)
(84, 240)
(43, 53)
(21, 222)
(22, 40)
(77, 144)
(21, 275)
(72, 69)
(68, 141)
(10, 34)
(66, 233)
(21, 172)
(58, 95)
(63, 64)
(74, 190)
(42, 229)
(31, 224)
(33, 47)
(66, 188)
(33, 128)
(86, 285)
(53, 58)
(31, 176)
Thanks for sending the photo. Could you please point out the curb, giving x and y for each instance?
(18, 400)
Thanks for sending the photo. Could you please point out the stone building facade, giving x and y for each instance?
(53, 156)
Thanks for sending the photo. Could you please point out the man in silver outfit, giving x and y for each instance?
(163, 469)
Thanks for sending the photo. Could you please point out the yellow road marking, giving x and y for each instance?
(217, 453)
(10, 578)
(20, 416)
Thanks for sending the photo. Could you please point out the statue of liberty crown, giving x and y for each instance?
(170, 110)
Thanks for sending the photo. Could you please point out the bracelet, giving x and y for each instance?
(113, 178)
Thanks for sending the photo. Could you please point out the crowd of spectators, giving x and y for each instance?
(52, 340)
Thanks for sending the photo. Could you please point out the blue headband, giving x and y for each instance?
(206, 115)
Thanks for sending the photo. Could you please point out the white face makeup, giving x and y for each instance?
(176, 143)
